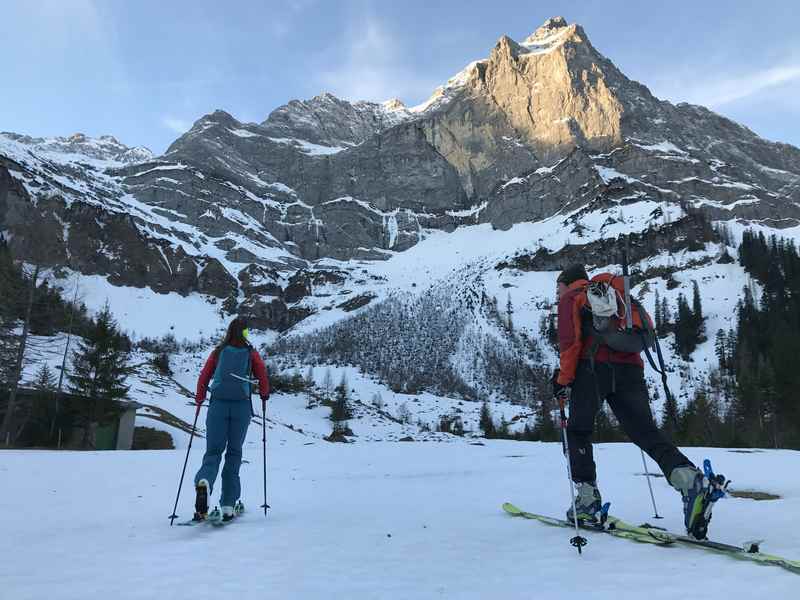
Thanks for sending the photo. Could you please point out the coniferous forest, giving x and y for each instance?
(750, 398)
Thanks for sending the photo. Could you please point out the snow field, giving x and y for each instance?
(381, 520)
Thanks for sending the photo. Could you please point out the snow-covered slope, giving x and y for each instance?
(384, 521)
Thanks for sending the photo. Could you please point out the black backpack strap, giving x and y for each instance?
(588, 331)
(591, 350)
(663, 370)
(250, 377)
(650, 356)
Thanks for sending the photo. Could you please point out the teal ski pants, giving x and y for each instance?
(226, 427)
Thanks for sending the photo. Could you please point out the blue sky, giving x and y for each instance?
(144, 71)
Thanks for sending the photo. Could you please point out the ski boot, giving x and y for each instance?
(215, 516)
(699, 490)
(201, 501)
(231, 512)
(588, 504)
(228, 513)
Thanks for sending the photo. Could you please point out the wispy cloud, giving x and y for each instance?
(374, 68)
(176, 125)
(717, 92)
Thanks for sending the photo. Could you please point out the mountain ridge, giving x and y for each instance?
(546, 128)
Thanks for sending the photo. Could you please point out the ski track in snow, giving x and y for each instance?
(380, 520)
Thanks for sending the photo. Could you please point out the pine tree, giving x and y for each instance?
(510, 313)
(685, 329)
(730, 351)
(666, 317)
(699, 425)
(503, 429)
(99, 372)
(670, 418)
(308, 384)
(697, 314)
(341, 411)
(485, 422)
(720, 344)
(545, 426)
(547, 330)
(161, 362)
(45, 380)
(100, 364)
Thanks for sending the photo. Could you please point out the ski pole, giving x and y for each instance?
(265, 506)
(173, 516)
(578, 541)
(650, 485)
(626, 278)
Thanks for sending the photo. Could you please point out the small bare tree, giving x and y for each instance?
(404, 413)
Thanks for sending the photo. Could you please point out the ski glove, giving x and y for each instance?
(560, 392)
(556, 386)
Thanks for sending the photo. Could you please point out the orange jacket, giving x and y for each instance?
(572, 345)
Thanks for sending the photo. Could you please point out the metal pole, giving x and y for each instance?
(265, 506)
(173, 516)
(650, 485)
(578, 541)
(629, 325)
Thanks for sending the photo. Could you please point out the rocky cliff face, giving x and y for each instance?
(329, 121)
(238, 211)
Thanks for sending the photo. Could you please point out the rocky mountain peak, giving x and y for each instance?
(394, 104)
(81, 147)
(325, 97)
(208, 121)
(553, 92)
(508, 47)
(330, 121)
(552, 26)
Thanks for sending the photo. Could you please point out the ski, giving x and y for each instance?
(193, 523)
(611, 526)
(215, 516)
(747, 551)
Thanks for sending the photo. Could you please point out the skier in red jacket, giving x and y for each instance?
(591, 372)
(227, 373)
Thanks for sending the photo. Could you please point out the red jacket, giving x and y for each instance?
(257, 365)
(571, 343)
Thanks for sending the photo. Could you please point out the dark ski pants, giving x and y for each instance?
(624, 388)
(226, 426)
